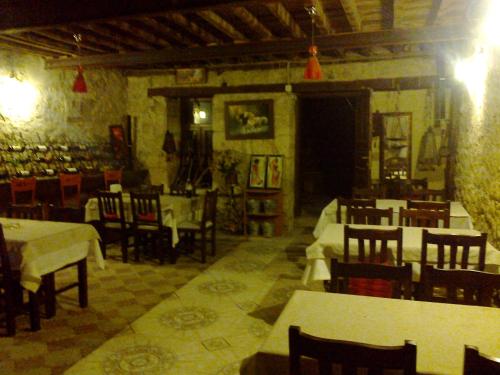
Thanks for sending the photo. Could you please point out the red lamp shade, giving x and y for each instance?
(79, 85)
(313, 69)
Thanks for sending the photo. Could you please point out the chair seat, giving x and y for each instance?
(193, 225)
(116, 226)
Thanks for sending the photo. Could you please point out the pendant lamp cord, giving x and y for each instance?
(78, 39)
(312, 11)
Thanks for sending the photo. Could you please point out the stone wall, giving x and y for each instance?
(153, 117)
(58, 113)
(478, 157)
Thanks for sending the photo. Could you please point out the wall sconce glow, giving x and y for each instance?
(490, 29)
(18, 99)
(472, 72)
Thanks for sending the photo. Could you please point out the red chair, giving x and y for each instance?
(23, 191)
(112, 177)
(70, 185)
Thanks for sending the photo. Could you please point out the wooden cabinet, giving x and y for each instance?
(263, 212)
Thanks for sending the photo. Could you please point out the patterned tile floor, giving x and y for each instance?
(193, 318)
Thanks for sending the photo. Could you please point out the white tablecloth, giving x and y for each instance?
(174, 209)
(459, 217)
(440, 330)
(331, 245)
(41, 247)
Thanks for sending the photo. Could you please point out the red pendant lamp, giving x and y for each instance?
(313, 69)
(79, 86)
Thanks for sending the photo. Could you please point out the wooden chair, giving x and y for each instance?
(476, 363)
(462, 286)
(23, 191)
(365, 193)
(70, 185)
(378, 240)
(436, 195)
(428, 205)
(112, 177)
(207, 225)
(350, 355)
(344, 202)
(424, 218)
(451, 246)
(399, 277)
(112, 220)
(419, 184)
(11, 292)
(25, 212)
(368, 215)
(147, 225)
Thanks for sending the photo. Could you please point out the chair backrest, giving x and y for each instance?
(25, 212)
(23, 190)
(111, 208)
(355, 202)
(350, 355)
(452, 246)
(476, 363)
(468, 287)
(70, 185)
(368, 215)
(429, 205)
(416, 194)
(420, 217)
(344, 273)
(210, 207)
(112, 176)
(417, 184)
(146, 209)
(377, 240)
(365, 193)
(436, 195)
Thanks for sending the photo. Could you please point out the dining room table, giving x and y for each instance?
(330, 245)
(459, 217)
(175, 209)
(39, 248)
(439, 330)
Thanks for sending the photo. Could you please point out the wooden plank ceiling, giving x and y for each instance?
(149, 34)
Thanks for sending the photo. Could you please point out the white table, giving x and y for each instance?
(175, 209)
(331, 245)
(41, 247)
(439, 330)
(459, 217)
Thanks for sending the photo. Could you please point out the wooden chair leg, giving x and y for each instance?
(48, 287)
(124, 244)
(213, 240)
(34, 310)
(203, 246)
(82, 283)
(10, 310)
(137, 245)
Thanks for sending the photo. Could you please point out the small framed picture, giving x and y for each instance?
(190, 76)
(249, 119)
(274, 174)
(257, 171)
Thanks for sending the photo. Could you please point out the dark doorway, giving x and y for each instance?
(326, 142)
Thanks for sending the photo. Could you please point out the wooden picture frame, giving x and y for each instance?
(118, 142)
(257, 172)
(249, 119)
(190, 76)
(274, 171)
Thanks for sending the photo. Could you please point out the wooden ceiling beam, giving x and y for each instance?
(222, 25)
(29, 42)
(168, 32)
(387, 14)
(311, 88)
(112, 35)
(28, 15)
(286, 19)
(433, 13)
(86, 36)
(7, 44)
(192, 27)
(322, 20)
(352, 14)
(325, 43)
(69, 40)
(139, 33)
(250, 20)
